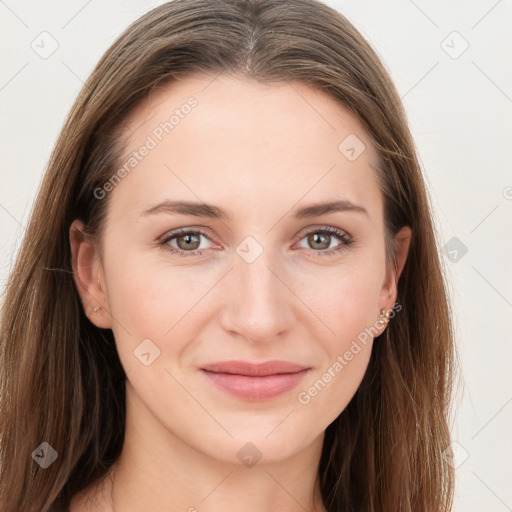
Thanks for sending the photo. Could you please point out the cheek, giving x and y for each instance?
(147, 304)
(345, 299)
(148, 294)
(346, 356)
(348, 305)
(156, 301)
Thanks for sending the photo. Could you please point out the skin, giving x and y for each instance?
(259, 152)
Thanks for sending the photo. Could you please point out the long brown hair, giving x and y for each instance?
(61, 378)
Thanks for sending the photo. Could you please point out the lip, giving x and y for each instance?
(251, 381)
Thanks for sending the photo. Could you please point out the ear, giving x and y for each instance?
(88, 276)
(389, 289)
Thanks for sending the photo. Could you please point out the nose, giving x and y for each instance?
(259, 302)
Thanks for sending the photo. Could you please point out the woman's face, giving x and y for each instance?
(242, 168)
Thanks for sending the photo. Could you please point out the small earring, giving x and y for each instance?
(96, 309)
(384, 315)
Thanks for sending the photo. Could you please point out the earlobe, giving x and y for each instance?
(87, 274)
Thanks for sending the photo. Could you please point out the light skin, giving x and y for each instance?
(259, 152)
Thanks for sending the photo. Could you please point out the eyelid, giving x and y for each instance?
(172, 234)
(323, 228)
(345, 238)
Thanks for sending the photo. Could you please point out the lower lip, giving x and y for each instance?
(256, 388)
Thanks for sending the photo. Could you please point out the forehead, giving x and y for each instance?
(212, 138)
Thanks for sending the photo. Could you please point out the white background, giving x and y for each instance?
(459, 111)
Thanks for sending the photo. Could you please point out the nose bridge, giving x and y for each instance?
(259, 305)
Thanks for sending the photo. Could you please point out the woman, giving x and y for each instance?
(173, 336)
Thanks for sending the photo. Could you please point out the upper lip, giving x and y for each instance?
(254, 369)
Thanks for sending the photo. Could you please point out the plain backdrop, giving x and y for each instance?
(451, 64)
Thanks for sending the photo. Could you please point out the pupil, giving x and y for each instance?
(317, 238)
(188, 240)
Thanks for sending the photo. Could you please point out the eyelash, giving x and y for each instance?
(341, 235)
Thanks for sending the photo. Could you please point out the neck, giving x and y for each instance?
(158, 471)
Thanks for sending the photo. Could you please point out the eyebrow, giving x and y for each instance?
(214, 212)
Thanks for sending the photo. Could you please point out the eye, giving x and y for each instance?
(322, 238)
(187, 242)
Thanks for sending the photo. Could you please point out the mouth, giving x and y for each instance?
(251, 381)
